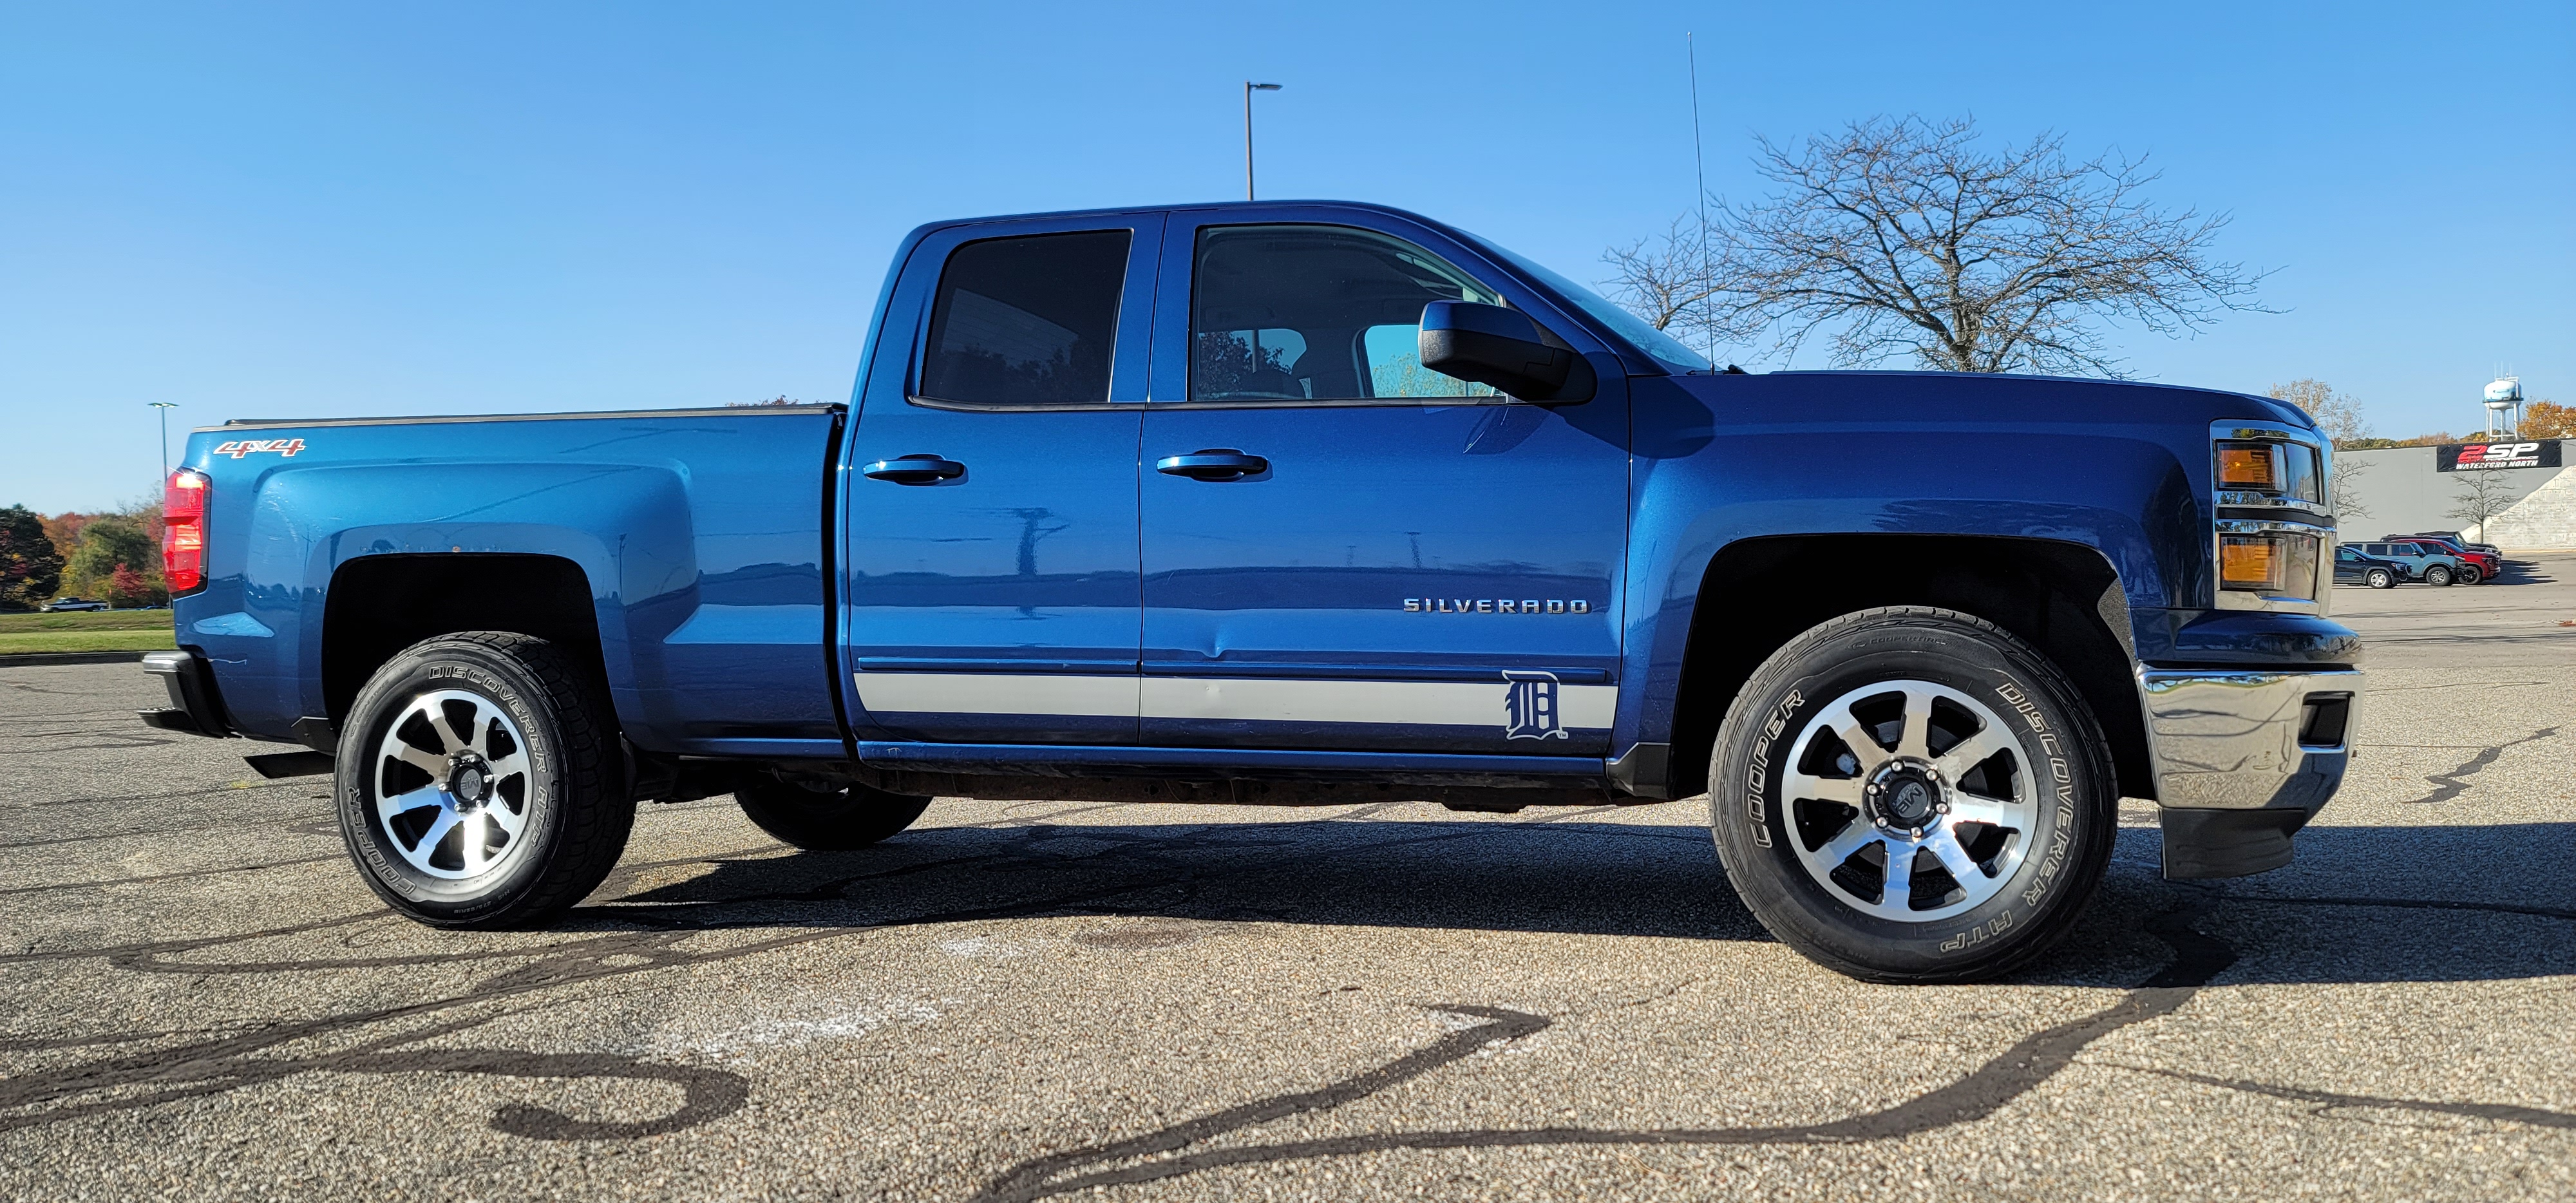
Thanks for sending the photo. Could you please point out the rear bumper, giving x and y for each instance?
(2244, 758)
(195, 708)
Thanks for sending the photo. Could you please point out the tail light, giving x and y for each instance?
(183, 531)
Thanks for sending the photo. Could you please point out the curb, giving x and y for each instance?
(35, 659)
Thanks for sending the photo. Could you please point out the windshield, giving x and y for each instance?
(1663, 347)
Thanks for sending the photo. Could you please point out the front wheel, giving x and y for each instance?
(1909, 794)
(2470, 575)
(2381, 578)
(820, 817)
(479, 784)
(2438, 574)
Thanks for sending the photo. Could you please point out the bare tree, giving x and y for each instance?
(2340, 417)
(1902, 238)
(2482, 494)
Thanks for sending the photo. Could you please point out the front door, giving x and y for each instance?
(1344, 551)
(990, 593)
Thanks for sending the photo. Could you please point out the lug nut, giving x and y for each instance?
(1944, 808)
(1918, 833)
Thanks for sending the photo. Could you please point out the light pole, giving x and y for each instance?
(1249, 88)
(165, 407)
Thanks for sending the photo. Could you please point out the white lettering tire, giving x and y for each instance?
(1913, 795)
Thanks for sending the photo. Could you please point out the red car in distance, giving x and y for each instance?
(2485, 564)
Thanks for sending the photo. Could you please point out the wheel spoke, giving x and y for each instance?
(428, 842)
(471, 847)
(1898, 893)
(499, 812)
(507, 766)
(1915, 737)
(1945, 847)
(1975, 750)
(427, 795)
(436, 715)
(1969, 808)
(1822, 789)
(428, 762)
(1854, 836)
(1864, 747)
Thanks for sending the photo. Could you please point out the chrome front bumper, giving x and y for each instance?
(2244, 759)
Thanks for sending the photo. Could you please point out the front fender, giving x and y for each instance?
(1714, 469)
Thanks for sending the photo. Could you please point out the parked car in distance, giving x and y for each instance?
(65, 605)
(2453, 537)
(2423, 562)
(2476, 565)
(2351, 567)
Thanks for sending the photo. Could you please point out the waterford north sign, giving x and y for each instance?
(2459, 457)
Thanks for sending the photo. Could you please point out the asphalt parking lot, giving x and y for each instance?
(199, 1000)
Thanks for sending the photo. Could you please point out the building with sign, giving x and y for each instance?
(2528, 491)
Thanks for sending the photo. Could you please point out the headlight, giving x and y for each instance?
(2248, 466)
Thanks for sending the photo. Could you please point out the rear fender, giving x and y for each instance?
(627, 527)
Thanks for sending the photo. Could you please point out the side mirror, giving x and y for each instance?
(1492, 345)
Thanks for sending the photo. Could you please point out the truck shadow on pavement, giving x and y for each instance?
(2159, 943)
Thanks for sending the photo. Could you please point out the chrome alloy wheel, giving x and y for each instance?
(1909, 801)
(451, 784)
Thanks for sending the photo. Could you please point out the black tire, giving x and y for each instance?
(2381, 578)
(2049, 849)
(568, 794)
(2470, 574)
(2438, 574)
(819, 817)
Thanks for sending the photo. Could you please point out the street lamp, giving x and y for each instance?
(1249, 88)
(165, 407)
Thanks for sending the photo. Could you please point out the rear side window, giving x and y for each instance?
(1027, 321)
(1314, 313)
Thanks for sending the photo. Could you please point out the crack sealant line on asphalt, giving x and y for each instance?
(2198, 959)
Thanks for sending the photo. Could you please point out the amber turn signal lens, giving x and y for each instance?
(2250, 562)
(2247, 466)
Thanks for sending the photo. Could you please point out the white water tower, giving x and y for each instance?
(2505, 393)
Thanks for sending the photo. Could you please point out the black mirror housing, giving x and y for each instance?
(1504, 348)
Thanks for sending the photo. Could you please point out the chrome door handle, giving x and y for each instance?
(1217, 464)
(914, 469)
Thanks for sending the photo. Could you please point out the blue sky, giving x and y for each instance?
(275, 210)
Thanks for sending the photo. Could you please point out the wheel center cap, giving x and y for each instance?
(1907, 795)
(469, 781)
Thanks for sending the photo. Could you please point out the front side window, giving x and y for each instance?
(1027, 321)
(1316, 313)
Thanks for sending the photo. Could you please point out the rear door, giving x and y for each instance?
(990, 585)
(1416, 563)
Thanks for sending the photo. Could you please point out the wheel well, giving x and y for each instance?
(1760, 593)
(379, 605)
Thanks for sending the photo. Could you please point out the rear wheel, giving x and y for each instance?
(2438, 574)
(1912, 795)
(820, 817)
(2381, 578)
(478, 782)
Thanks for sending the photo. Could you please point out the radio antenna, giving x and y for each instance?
(1699, 178)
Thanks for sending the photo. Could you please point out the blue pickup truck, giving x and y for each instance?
(1296, 503)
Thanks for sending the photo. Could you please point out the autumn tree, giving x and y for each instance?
(107, 542)
(2548, 420)
(1906, 239)
(31, 568)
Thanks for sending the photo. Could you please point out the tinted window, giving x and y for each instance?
(1027, 321)
(1302, 313)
